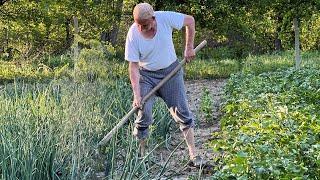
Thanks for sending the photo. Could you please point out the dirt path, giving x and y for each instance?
(203, 131)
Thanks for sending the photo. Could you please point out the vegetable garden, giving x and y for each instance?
(270, 127)
(63, 86)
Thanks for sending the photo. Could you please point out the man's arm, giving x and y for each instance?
(134, 78)
(189, 52)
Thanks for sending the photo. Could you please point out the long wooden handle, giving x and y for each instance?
(145, 98)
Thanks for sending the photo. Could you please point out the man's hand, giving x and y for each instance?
(136, 101)
(189, 54)
(134, 78)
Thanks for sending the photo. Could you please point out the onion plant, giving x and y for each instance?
(50, 131)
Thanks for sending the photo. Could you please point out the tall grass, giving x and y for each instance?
(277, 61)
(50, 131)
(311, 59)
(223, 68)
(209, 69)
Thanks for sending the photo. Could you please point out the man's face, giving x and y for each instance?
(145, 25)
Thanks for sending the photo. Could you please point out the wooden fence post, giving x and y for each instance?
(75, 45)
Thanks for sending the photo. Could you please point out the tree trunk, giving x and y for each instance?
(7, 38)
(115, 29)
(112, 35)
(103, 36)
(68, 34)
(277, 41)
(158, 5)
(296, 42)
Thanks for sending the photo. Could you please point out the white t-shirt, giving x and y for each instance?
(158, 52)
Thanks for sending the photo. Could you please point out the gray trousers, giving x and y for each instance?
(172, 92)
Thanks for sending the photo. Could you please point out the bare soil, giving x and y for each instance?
(177, 167)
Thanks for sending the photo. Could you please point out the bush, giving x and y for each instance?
(91, 62)
(57, 61)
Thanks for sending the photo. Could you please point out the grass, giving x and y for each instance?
(266, 63)
(256, 64)
(278, 61)
(210, 69)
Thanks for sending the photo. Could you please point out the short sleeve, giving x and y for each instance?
(131, 49)
(174, 19)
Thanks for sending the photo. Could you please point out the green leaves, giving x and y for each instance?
(271, 126)
(206, 105)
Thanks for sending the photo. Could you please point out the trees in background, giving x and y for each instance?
(29, 29)
(291, 12)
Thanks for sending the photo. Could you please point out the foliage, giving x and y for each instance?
(108, 67)
(93, 60)
(218, 54)
(271, 126)
(206, 105)
(56, 61)
(9, 72)
(206, 69)
(50, 131)
(29, 30)
(276, 61)
(308, 32)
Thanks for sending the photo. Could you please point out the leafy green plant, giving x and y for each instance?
(206, 105)
(271, 126)
(57, 61)
(91, 62)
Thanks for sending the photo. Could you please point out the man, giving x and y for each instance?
(151, 55)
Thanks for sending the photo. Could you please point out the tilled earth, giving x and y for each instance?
(177, 167)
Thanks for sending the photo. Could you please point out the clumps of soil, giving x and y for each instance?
(177, 167)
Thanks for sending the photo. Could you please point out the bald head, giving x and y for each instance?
(143, 11)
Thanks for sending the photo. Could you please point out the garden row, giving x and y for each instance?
(271, 126)
(50, 130)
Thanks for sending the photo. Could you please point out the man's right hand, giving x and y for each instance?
(136, 101)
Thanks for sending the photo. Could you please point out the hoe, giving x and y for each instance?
(135, 109)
